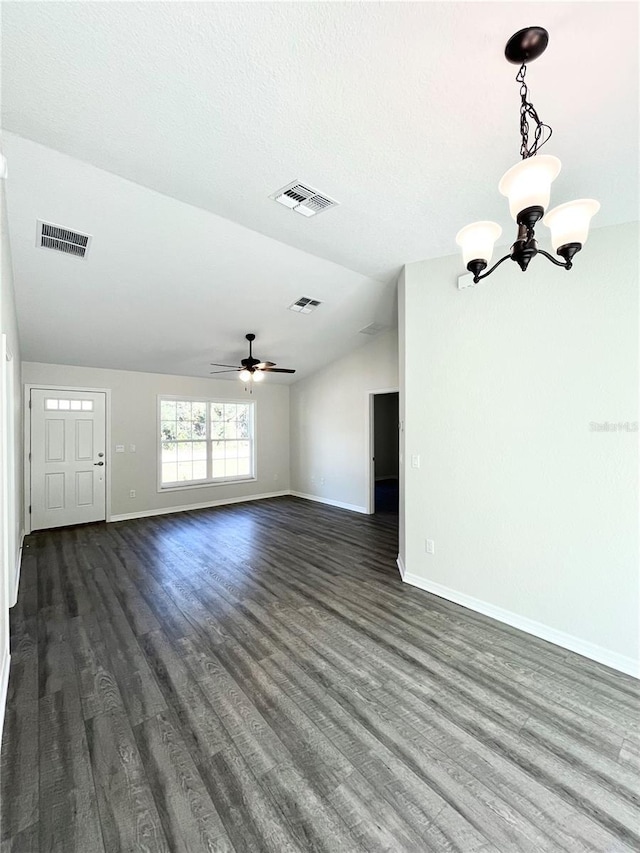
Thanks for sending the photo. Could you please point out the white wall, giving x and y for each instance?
(11, 520)
(329, 413)
(534, 514)
(134, 421)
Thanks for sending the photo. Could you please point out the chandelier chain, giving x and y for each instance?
(542, 132)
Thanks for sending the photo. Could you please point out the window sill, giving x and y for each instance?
(232, 481)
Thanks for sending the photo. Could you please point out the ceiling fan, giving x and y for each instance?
(251, 369)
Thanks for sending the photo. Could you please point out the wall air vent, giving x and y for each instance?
(373, 329)
(61, 239)
(303, 199)
(304, 305)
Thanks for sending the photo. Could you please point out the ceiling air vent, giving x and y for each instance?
(303, 199)
(62, 239)
(373, 329)
(304, 305)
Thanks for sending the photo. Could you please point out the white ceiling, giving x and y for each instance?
(407, 113)
(167, 287)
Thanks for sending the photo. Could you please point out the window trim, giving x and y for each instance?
(204, 484)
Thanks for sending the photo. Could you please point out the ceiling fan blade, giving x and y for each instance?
(276, 370)
(232, 370)
(215, 364)
(263, 364)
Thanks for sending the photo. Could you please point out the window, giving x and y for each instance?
(205, 441)
(69, 405)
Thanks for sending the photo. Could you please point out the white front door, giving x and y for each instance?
(68, 446)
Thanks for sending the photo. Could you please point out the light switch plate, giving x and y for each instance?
(119, 448)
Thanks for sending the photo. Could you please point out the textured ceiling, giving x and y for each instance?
(407, 113)
(167, 287)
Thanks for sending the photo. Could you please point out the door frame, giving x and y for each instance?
(27, 441)
(370, 479)
(13, 540)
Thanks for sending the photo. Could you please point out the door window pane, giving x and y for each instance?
(69, 405)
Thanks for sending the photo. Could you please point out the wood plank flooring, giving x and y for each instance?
(257, 678)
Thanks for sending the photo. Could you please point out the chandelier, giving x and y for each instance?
(527, 185)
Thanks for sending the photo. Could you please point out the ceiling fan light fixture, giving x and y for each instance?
(252, 369)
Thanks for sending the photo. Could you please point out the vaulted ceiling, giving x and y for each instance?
(406, 113)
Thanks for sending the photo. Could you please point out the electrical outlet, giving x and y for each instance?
(322, 481)
(415, 460)
(429, 546)
(313, 480)
(275, 476)
(132, 493)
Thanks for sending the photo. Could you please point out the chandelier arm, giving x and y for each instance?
(478, 278)
(567, 265)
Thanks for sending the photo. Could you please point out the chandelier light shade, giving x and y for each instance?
(527, 186)
(244, 375)
(257, 376)
(528, 183)
(569, 222)
(477, 240)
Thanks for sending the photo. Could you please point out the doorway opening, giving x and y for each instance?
(385, 452)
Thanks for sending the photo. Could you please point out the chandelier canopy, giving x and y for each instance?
(527, 186)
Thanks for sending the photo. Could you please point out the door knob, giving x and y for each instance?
(98, 463)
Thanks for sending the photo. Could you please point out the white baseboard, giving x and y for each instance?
(16, 578)
(126, 516)
(4, 686)
(622, 663)
(339, 504)
(168, 510)
(401, 568)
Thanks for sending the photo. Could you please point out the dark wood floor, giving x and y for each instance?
(257, 678)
